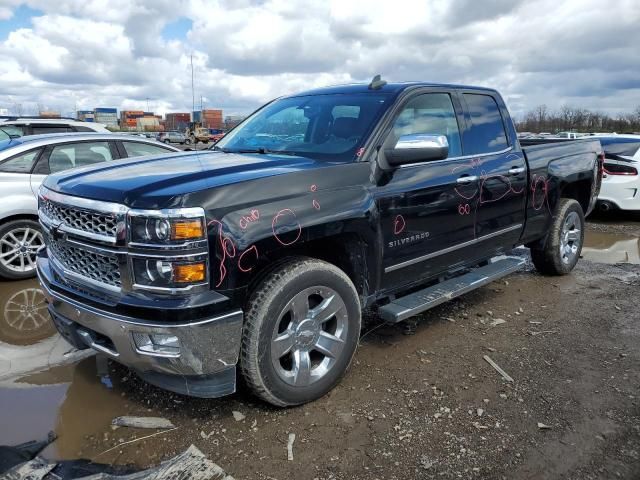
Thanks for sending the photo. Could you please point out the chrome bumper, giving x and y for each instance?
(207, 347)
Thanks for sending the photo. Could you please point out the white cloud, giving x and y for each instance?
(111, 52)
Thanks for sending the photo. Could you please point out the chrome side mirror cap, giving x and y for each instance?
(418, 147)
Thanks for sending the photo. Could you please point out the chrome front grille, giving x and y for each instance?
(80, 219)
(100, 268)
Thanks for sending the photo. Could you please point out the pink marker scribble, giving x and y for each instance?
(315, 204)
(283, 216)
(313, 187)
(245, 220)
(227, 247)
(464, 209)
(539, 192)
(399, 225)
(360, 152)
(251, 250)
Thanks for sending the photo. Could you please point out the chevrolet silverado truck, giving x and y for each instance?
(255, 259)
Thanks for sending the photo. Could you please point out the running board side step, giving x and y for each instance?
(404, 307)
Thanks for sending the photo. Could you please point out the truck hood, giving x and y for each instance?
(160, 181)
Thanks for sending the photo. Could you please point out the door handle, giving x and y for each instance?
(516, 170)
(467, 179)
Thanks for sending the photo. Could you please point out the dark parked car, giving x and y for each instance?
(262, 254)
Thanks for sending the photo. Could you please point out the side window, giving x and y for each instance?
(73, 155)
(22, 163)
(38, 129)
(430, 113)
(80, 128)
(136, 149)
(486, 133)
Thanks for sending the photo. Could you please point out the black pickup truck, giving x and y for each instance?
(257, 257)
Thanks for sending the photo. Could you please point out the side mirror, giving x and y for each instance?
(418, 147)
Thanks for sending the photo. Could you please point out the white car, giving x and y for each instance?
(25, 162)
(23, 126)
(621, 180)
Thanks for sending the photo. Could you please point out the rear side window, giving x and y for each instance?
(73, 155)
(80, 128)
(22, 163)
(620, 147)
(135, 149)
(486, 133)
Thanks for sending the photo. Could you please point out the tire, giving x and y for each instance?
(281, 332)
(167, 141)
(188, 141)
(561, 251)
(20, 241)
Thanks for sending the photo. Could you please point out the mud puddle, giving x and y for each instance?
(608, 247)
(44, 384)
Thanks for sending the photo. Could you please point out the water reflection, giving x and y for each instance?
(604, 247)
(25, 319)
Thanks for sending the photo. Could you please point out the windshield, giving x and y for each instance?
(331, 127)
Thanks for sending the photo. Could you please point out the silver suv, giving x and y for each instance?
(25, 162)
(172, 136)
(23, 126)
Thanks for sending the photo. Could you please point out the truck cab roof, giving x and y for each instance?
(389, 88)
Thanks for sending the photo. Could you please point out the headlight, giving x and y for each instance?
(160, 273)
(165, 229)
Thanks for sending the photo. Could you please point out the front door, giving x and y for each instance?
(425, 209)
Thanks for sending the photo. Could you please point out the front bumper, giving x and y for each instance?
(208, 348)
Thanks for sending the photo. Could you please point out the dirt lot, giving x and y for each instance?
(420, 406)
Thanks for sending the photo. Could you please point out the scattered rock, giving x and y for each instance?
(497, 321)
(238, 415)
(542, 426)
(292, 438)
(142, 422)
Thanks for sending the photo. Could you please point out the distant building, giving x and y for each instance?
(107, 116)
(49, 114)
(85, 115)
(177, 121)
(209, 118)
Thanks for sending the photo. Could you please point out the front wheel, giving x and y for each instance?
(188, 141)
(301, 332)
(562, 248)
(20, 242)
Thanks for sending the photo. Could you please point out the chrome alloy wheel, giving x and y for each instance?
(570, 238)
(309, 336)
(19, 247)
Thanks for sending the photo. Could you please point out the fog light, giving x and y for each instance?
(159, 344)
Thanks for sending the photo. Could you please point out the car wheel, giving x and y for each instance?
(301, 332)
(562, 248)
(20, 242)
(167, 141)
(187, 141)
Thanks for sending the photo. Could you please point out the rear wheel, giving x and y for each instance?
(301, 331)
(562, 248)
(167, 141)
(20, 242)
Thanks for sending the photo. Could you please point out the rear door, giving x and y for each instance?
(498, 206)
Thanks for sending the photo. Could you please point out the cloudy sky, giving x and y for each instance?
(125, 53)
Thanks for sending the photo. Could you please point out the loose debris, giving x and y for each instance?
(542, 426)
(497, 321)
(142, 422)
(191, 464)
(238, 416)
(292, 438)
(504, 374)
